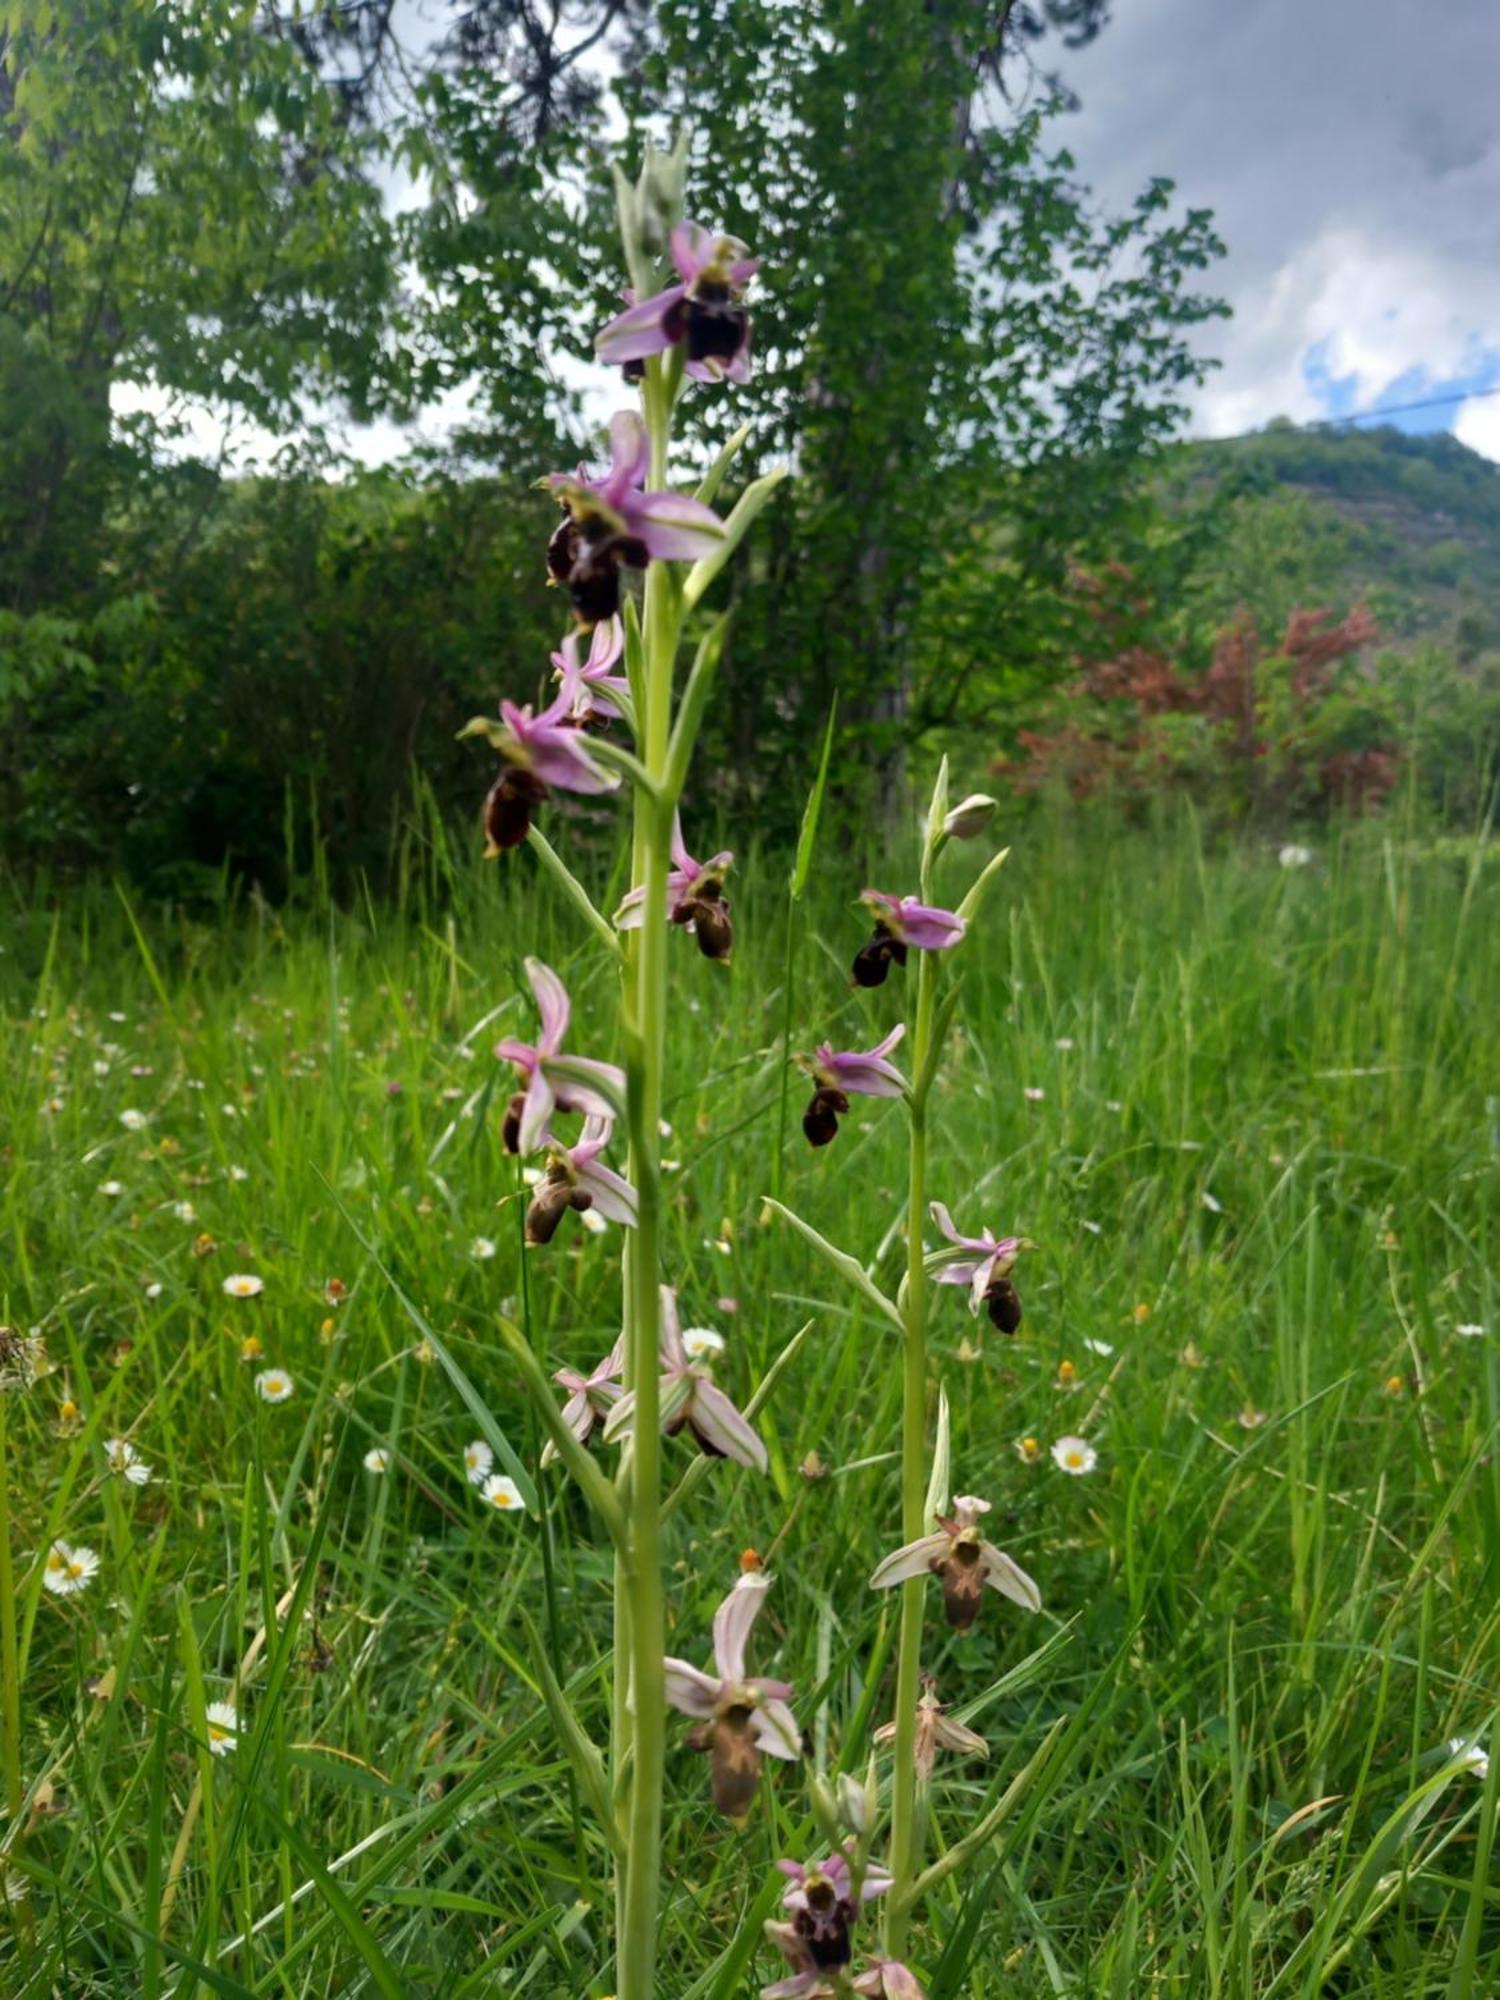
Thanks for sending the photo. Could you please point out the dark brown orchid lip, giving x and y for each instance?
(509, 805)
(873, 960)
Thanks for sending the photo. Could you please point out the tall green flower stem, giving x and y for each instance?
(640, 1619)
(905, 1826)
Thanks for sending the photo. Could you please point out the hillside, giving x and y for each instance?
(1411, 524)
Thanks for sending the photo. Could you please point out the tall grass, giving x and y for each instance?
(1250, 1117)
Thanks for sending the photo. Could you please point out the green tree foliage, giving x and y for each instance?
(187, 212)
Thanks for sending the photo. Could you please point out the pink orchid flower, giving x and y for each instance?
(590, 1397)
(553, 1082)
(695, 899)
(960, 1556)
(575, 1177)
(612, 523)
(690, 1398)
(537, 752)
(703, 311)
(742, 1718)
(838, 1074)
(589, 688)
(824, 1908)
(902, 924)
(984, 1264)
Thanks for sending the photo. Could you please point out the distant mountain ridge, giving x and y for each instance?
(1418, 520)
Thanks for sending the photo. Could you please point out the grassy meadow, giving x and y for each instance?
(1248, 1114)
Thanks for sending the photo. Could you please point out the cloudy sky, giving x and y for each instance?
(1350, 150)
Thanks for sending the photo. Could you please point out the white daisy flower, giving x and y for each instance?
(1099, 1347)
(111, 1188)
(155, 1289)
(1064, 1042)
(593, 1221)
(118, 1018)
(1293, 856)
(133, 1121)
(1470, 1329)
(1093, 1228)
(1465, 1751)
(273, 1385)
(126, 1461)
(478, 1458)
(702, 1343)
(1073, 1455)
(243, 1285)
(68, 1570)
(239, 1173)
(1032, 1094)
(101, 1068)
(378, 1459)
(223, 1723)
(185, 1211)
(481, 1249)
(502, 1493)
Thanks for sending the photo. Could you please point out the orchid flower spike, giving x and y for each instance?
(590, 1397)
(574, 1177)
(888, 1979)
(553, 1082)
(703, 311)
(695, 899)
(984, 1264)
(537, 752)
(690, 1397)
(902, 924)
(613, 524)
(741, 1718)
(589, 687)
(837, 1076)
(936, 1730)
(959, 1554)
(824, 1907)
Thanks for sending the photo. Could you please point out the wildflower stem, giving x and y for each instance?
(10, 1659)
(646, 1008)
(905, 1843)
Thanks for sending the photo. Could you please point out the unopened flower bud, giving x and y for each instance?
(659, 196)
(825, 1809)
(970, 816)
(854, 1804)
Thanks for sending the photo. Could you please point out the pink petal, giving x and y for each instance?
(775, 1729)
(614, 1198)
(1008, 1577)
(629, 457)
(522, 1054)
(915, 1559)
(681, 859)
(690, 1692)
(638, 331)
(733, 1621)
(724, 1427)
(929, 929)
(939, 1213)
(692, 247)
(674, 527)
(535, 1111)
(551, 1003)
(673, 1353)
(960, 1271)
(560, 757)
(576, 1093)
(577, 1415)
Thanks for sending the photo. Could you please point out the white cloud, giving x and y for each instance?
(1478, 425)
(1352, 160)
